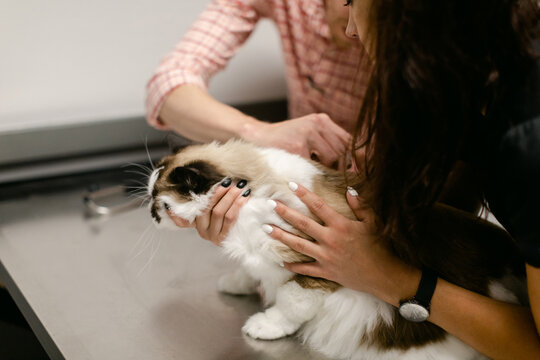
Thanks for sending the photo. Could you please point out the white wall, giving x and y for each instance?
(69, 61)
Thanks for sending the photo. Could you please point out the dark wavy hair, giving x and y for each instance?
(441, 69)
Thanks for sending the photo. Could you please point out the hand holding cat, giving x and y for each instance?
(345, 251)
(313, 136)
(214, 224)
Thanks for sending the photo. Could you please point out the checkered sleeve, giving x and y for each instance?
(204, 50)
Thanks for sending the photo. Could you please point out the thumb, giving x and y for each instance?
(179, 221)
(359, 206)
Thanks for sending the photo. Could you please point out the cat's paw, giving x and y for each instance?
(237, 283)
(264, 327)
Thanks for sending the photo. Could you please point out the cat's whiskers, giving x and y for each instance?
(143, 184)
(139, 241)
(139, 199)
(139, 165)
(148, 154)
(138, 190)
(137, 173)
(144, 199)
(147, 238)
(153, 253)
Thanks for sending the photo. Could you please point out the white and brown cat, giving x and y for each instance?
(339, 322)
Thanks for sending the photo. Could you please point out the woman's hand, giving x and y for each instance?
(214, 224)
(314, 136)
(345, 251)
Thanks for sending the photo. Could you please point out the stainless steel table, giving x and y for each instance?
(116, 288)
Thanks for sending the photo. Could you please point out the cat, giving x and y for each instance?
(336, 321)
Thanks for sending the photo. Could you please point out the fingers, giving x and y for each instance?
(329, 142)
(203, 221)
(359, 207)
(297, 243)
(358, 163)
(226, 211)
(309, 269)
(315, 204)
(215, 223)
(232, 215)
(179, 221)
(300, 221)
(323, 152)
(347, 162)
(336, 136)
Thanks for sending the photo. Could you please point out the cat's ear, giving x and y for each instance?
(197, 177)
(182, 174)
(186, 179)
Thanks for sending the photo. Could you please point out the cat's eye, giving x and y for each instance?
(166, 206)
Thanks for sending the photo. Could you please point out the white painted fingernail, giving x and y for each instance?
(267, 228)
(351, 191)
(293, 186)
(272, 203)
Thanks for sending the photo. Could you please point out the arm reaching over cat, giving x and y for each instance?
(193, 113)
(347, 252)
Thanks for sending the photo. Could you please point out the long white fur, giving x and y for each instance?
(333, 323)
(152, 180)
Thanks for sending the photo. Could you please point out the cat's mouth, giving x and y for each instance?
(160, 209)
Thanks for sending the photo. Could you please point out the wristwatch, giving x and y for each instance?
(417, 308)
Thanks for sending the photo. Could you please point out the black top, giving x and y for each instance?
(513, 174)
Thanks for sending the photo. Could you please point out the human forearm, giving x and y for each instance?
(498, 330)
(191, 112)
(206, 49)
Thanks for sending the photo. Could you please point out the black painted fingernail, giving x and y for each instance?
(246, 193)
(241, 184)
(226, 182)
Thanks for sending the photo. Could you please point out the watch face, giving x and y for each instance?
(414, 312)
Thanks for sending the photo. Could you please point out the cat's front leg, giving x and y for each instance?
(294, 306)
(239, 282)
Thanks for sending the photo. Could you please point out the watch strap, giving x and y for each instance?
(426, 288)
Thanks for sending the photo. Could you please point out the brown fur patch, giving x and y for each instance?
(332, 185)
(403, 334)
(289, 255)
(308, 282)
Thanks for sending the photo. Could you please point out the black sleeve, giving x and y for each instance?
(515, 189)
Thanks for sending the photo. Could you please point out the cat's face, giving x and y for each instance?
(181, 188)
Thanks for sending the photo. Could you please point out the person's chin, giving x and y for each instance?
(341, 44)
(341, 40)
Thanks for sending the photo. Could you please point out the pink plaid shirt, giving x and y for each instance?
(320, 78)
